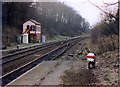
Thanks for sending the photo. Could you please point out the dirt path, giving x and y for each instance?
(54, 77)
(78, 74)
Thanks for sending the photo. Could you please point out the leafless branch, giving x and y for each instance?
(103, 10)
(111, 4)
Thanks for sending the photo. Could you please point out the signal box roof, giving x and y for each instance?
(35, 22)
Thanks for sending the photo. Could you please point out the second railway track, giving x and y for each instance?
(25, 52)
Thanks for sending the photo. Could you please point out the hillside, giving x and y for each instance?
(56, 19)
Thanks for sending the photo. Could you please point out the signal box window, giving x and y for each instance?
(32, 28)
(38, 29)
(28, 27)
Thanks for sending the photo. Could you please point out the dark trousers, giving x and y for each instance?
(91, 63)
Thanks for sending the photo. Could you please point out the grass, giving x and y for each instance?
(48, 39)
(57, 38)
(108, 78)
(22, 45)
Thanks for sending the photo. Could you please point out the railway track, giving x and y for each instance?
(15, 50)
(14, 63)
(24, 53)
(52, 55)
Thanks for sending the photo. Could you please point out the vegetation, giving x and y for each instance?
(56, 18)
(105, 34)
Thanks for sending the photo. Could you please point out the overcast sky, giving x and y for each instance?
(89, 11)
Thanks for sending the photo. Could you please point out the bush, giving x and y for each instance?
(107, 44)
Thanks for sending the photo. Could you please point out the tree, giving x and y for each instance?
(55, 17)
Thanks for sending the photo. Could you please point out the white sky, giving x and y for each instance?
(89, 11)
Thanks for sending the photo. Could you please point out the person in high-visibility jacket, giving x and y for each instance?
(91, 57)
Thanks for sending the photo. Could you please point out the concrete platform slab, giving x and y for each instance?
(35, 75)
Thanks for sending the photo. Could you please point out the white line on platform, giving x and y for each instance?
(25, 73)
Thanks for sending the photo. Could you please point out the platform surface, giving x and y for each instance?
(35, 75)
